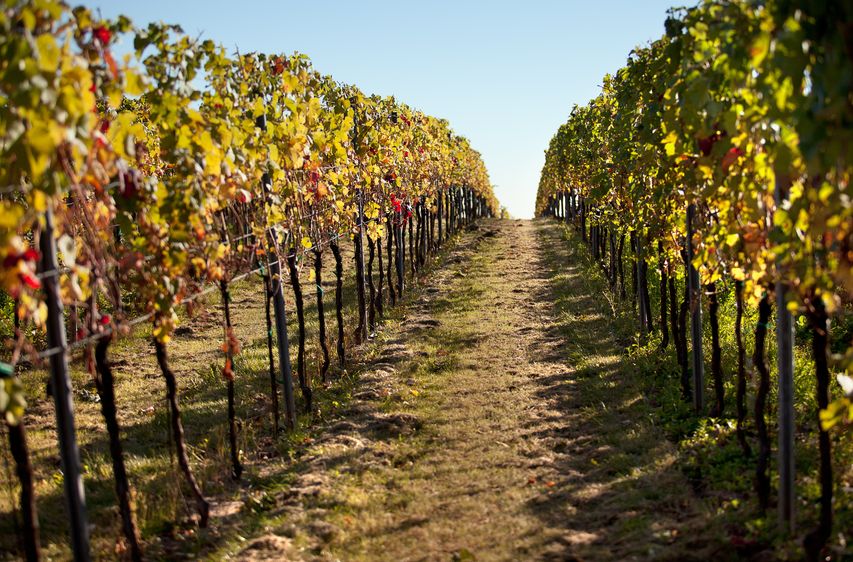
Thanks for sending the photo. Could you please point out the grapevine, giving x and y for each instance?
(739, 118)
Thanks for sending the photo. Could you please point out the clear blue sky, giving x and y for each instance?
(504, 73)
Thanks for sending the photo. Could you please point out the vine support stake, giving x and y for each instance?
(640, 294)
(283, 342)
(277, 289)
(361, 331)
(280, 313)
(695, 317)
(401, 282)
(785, 363)
(62, 397)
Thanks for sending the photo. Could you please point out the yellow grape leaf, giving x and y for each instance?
(258, 108)
(48, 59)
(44, 137)
(213, 163)
(10, 214)
(205, 141)
(759, 49)
(199, 264)
(669, 143)
(115, 98)
(196, 117)
(133, 83)
(306, 242)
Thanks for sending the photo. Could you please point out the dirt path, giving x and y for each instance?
(500, 422)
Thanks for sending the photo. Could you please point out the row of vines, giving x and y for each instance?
(721, 156)
(132, 185)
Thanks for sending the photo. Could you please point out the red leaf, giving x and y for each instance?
(31, 281)
(731, 157)
(243, 196)
(102, 34)
(30, 254)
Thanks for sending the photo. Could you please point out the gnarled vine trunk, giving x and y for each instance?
(647, 299)
(673, 319)
(621, 268)
(361, 329)
(304, 386)
(105, 385)
(740, 397)
(392, 294)
(24, 470)
(371, 306)
(380, 288)
(413, 261)
(270, 356)
(686, 391)
(321, 313)
(716, 351)
(228, 372)
(664, 341)
(762, 478)
(178, 432)
(816, 539)
(339, 303)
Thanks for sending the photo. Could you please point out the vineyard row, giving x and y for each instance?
(722, 153)
(131, 187)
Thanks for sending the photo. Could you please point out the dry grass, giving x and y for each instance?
(161, 506)
(532, 440)
(497, 416)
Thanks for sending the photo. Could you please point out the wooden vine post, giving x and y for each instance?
(372, 304)
(695, 316)
(640, 261)
(339, 303)
(280, 314)
(380, 305)
(69, 453)
(361, 330)
(392, 294)
(273, 382)
(785, 364)
(279, 310)
(398, 228)
(440, 212)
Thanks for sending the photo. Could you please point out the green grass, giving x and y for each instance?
(709, 454)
